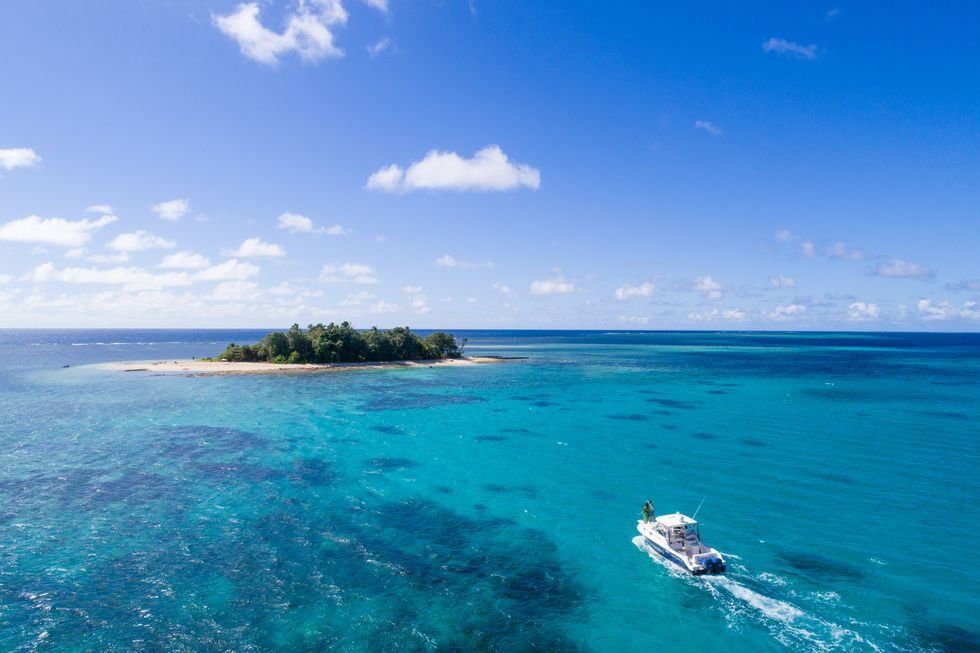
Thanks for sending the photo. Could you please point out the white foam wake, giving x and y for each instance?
(790, 625)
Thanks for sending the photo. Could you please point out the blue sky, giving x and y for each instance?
(482, 164)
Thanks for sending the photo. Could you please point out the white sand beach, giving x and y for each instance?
(215, 368)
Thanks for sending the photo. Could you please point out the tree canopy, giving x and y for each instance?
(342, 343)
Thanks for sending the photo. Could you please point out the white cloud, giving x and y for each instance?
(708, 286)
(782, 282)
(108, 258)
(731, 315)
(380, 5)
(230, 291)
(784, 235)
(52, 231)
(378, 47)
(633, 319)
(808, 249)
(447, 261)
(628, 292)
(488, 170)
(130, 278)
(782, 46)
(420, 304)
(104, 209)
(412, 290)
(172, 210)
(5, 278)
(899, 269)
(307, 32)
(184, 261)
(502, 288)
(556, 285)
(945, 310)
(18, 157)
(357, 299)
(300, 224)
(138, 241)
(383, 307)
(787, 312)
(348, 273)
(257, 248)
(230, 270)
(707, 126)
(964, 284)
(862, 312)
(840, 251)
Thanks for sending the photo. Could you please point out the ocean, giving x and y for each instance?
(492, 507)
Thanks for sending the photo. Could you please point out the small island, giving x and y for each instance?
(319, 348)
(342, 343)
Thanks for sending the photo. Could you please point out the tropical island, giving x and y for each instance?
(342, 343)
(323, 348)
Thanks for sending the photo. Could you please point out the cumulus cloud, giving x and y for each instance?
(171, 210)
(633, 319)
(18, 157)
(308, 31)
(964, 284)
(380, 5)
(138, 241)
(707, 126)
(862, 312)
(104, 209)
(378, 47)
(4, 278)
(503, 289)
(629, 292)
(489, 170)
(781, 313)
(782, 282)
(730, 315)
(420, 305)
(899, 269)
(841, 251)
(556, 285)
(230, 270)
(411, 290)
(129, 278)
(52, 231)
(295, 223)
(447, 261)
(257, 248)
(782, 46)
(708, 286)
(348, 273)
(944, 310)
(184, 261)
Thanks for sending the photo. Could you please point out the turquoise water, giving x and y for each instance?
(492, 507)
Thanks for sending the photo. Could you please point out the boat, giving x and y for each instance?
(677, 538)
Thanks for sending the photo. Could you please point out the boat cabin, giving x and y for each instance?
(681, 532)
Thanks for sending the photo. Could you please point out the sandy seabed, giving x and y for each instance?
(214, 368)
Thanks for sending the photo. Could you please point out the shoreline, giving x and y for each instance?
(225, 368)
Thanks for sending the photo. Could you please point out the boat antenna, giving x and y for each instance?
(699, 507)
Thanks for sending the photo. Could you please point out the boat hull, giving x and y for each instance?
(717, 566)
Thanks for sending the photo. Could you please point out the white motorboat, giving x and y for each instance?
(678, 538)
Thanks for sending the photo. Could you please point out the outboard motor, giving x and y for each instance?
(714, 565)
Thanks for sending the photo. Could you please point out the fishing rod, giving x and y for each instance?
(699, 508)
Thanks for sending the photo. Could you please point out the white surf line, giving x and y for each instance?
(788, 624)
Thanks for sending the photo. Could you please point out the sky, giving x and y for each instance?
(478, 164)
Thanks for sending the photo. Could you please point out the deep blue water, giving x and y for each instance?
(492, 507)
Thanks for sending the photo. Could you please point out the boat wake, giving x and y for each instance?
(789, 624)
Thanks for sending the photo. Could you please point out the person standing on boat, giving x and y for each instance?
(647, 510)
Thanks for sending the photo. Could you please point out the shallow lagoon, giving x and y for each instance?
(491, 507)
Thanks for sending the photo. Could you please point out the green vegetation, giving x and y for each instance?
(341, 343)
